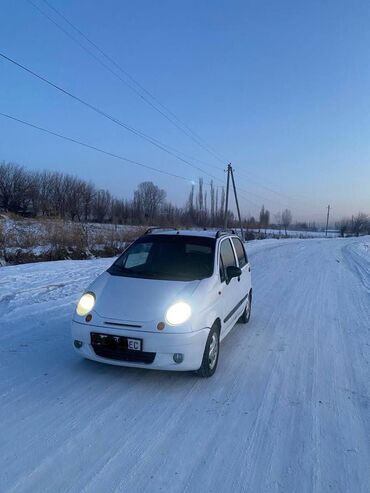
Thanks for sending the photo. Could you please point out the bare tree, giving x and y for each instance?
(200, 202)
(360, 223)
(74, 188)
(15, 188)
(216, 205)
(222, 204)
(148, 198)
(87, 197)
(190, 205)
(42, 193)
(101, 207)
(57, 194)
(264, 217)
(251, 222)
(278, 220)
(343, 226)
(212, 194)
(286, 219)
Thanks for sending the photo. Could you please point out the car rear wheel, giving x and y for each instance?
(246, 315)
(210, 355)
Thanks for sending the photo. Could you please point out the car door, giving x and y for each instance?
(245, 278)
(229, 289)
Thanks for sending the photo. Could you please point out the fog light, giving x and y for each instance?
(77, 344)
(178, 358)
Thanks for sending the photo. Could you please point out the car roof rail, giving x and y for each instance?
(222, 232)
(158, 228)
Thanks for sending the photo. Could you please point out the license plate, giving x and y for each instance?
(115, 342)
(134, 344)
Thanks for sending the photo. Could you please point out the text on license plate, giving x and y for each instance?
(134, 344)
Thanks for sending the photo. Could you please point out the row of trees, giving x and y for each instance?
(54, 194)
(356, 225)
(282, 219)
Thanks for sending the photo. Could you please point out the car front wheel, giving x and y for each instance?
(211, 353)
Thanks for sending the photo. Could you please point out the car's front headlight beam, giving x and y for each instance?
(86, 304)
(178, 313)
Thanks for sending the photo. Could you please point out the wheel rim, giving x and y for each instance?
(213, 351)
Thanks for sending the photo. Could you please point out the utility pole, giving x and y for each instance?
(327, 221)
(237, 204)
(230, 172)
(227, 196)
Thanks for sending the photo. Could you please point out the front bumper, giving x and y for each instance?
(190, 344)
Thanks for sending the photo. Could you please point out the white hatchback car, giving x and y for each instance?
(166, 302)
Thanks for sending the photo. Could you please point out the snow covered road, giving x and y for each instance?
(288, 409)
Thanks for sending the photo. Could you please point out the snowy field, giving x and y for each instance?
(288, 409)
(291, 233)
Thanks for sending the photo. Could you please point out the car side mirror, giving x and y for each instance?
(233, 271)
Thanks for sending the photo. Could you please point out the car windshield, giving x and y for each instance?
(167, 257)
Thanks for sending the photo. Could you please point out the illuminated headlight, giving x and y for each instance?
(86, 304)
(178, 313)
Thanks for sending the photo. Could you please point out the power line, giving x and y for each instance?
(133, 130)
(137, 132)
(155, 142)
(107, 68)
(166, 148)
(84, 144)
(174, 120)
(111, 60)
(107, 153)
(283, 195)
(102, 151)
(98, 149)
(263, 198)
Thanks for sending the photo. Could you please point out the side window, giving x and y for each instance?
(240, 252)
(227, 258)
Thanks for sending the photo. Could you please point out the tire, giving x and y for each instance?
(210, 361)
(246, 315)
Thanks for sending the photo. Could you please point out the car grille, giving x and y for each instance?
(115, 347)
(125, 355)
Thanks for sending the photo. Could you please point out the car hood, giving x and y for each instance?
(138, 300)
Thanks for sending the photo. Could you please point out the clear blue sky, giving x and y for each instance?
(281, 89)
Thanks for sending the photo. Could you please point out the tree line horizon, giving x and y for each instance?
(54, 194)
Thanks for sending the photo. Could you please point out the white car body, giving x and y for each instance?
(132, 308)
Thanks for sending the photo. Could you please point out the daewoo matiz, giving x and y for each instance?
(166, 302)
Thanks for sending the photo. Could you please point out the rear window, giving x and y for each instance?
(167, 257)
(240, 252)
